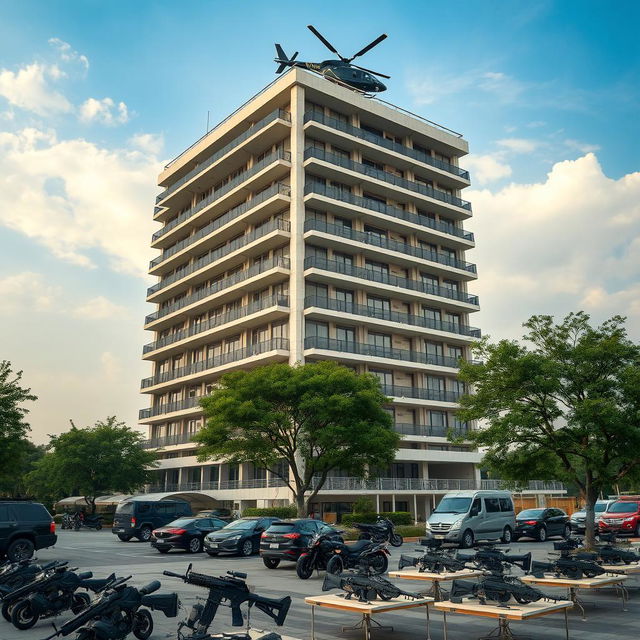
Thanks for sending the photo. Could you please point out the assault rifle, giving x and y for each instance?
(233, 589)
(615, 555)
(572, 567)
(432, 562)
(365, 588)
(498, 588)
(494, 560)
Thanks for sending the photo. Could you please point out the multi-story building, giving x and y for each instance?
(314, 223)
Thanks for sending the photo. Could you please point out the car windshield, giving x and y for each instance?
(623, 507)
(600, 507)
(242, 524)
(530, 513)
(453, 505)
(125, 507)
(181, 522)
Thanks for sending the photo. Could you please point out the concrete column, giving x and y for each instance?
(377, 503)
(180, 470)
(415, 508)
(202, 468)
(393, 502)
(296, 284)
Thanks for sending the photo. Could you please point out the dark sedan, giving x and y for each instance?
(184, 533)
(541, 524)
(240, 536)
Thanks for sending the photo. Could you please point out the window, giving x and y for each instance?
(433, 348)
(385, 377)
(371, 164)
(371, 196)
(345, 297)
(382, 305)
(435, 383)
(260, 295)
(315, 252)
(342, 222)
(31, 512)
(346, 334)
(316, 329)
(452, 285)
(452, 318)
(344, 260)
(429, 280)
(214, 350)
(492, 505)
(431, 314)
(375, 234)
(379, 340)
(421, 149)
(193, 426)
(506, 504)
(369, 129)
(313, 289)
(232, 344)
(438, 418)
(281, 289)
(341, 153)
(280, 330)
(455, 352)
(379, 268)
(312, 214)
(192, 392)
(457, 386)
(340, 117)
(260, 335)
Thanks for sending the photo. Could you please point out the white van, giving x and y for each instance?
(467, 516)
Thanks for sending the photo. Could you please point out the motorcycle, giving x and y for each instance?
(67, 521)
(365, 556)
(88, 521)
(14, 575)
(382, 531)
(320, 550)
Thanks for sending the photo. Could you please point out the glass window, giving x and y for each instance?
(455, 352)
(506, 504)
(377, 267)
(343, 259)
(374, 233)
(492, 505)
(232, 344)
(455, 505)
(342, 222)
(345, 296)
(385, 377)
(346, 334)
(315, 289)
(452, 318)
(435, 383)
(379, 304)
(316, 329)
(438, 418)
(380, 340)
(280, 330)
(433, 348)
(451, 284)
(429, 280)
(260, 335)
(431, 314)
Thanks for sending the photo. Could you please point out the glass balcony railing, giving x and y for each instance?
(225, 218)
(212, 159)
(386, 209)
(383, 242)
(397, 484)
(437, 395)
(432, 430)
(167, 441)
(218, 321)
(217, 361)
(222, 191)
(357, 132)
(168, 407)
(221, 252)
(386, 278)
(216, 287)
(375, 351)
(333, 304)
(385, 176)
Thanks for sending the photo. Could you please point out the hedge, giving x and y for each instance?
(397, 517)
(406, 531)
(289, 511)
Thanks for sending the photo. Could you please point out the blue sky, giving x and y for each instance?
(96, 96)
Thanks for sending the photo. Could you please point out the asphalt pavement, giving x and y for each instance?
(102, 553)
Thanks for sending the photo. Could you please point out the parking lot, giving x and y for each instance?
(102, 552)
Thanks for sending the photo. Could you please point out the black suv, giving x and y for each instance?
(24, 527)
(138, 518)
(287, 539)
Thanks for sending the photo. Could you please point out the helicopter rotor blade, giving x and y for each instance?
(375, 73)
(294, 56)
(324, 41)
(370, 46)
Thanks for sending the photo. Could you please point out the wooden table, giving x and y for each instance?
(436, 591)
(504, 615)
(366, 609)
(573, 586)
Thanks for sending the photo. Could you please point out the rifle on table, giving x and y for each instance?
(498, 588)
(495, 561)
(233, 589)
(570, 567)
(365, 588)
(432, 562)
(607, 553)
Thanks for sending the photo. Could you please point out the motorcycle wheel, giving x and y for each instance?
(396, 540)
(22, 616)
(379, 563)
(142, 624)
(6, 611)
(304, 567)
(80, 602)
(335, 565)
(98, 527)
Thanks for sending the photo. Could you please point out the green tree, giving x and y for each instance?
(105, 458)
(14, 446)
(315, 417)
(567, 406)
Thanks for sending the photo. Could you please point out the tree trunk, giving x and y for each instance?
(91, 501)
(301, 504)
(591, 496)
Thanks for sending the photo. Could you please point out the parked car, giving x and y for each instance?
(542, 523)
(139, 517)
(184, 533)
(287, 539)
(578, 518)
(622, 516)
(467, 516)
(24, 527)
(241, 536)
(222, 514)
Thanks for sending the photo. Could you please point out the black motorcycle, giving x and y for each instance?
(51, 595)
(320, 550)
(14, 575)
(88, 522)
(365, 556)
(382, 531)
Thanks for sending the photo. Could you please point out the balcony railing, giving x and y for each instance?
(222, 485)
(332, 304)
(385, 176)
(364, 349)
(240, 276)
(381, 207)
(381, 241)
(215, 254)
(532, 485)
(437, 431)
(217, 321)
(420, 393)
(397, 484)
(254, 128)
(387, 144)
(222, 191)
(166, 441)
(217, 361)
(168, 407)
(334, 266)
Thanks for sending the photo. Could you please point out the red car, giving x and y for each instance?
(622, 516)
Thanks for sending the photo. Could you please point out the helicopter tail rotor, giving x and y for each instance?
(283, 60)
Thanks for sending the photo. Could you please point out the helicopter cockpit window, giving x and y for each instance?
(368, 77)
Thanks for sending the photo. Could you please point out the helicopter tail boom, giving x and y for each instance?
(284, 60)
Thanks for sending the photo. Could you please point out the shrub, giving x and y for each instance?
(397, 517)
(289, 511)
(363, 504)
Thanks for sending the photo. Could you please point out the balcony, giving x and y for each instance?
(240, 276)
(225, 218)
(420, 393)
(532, 485)
(166, 441)
(224, 190)
(364, 349)
(385, 176)
(261, 124)
(388, 210)
(397, 484)
(332, 304)
(217, 254)
(428, 430)
(222, 485)
(218, 321)
(382, 242)
(357, 132)
(316, 262)
(168, 407)
(276, 344)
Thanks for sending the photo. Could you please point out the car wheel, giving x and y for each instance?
(124, 538)
(467, 539)
(145, 534)
(542, 534)
(195, 545)
(246, 548)
(271, 563)
(20, 549)
(22, 615)
(507, 535)
(566, 534)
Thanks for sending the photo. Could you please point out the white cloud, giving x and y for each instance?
(74, 197)
(582, 147)
(98, 308)
(486, 168)
(148, 142)
(25, 292)
(519, 145)
(570, 242)
(67, 53)
(104, 111)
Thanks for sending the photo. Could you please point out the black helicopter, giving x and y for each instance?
(340, 71)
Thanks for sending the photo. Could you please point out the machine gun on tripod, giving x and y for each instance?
(573, 567)
(432, 561)
(489, 558)
(365, 588)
